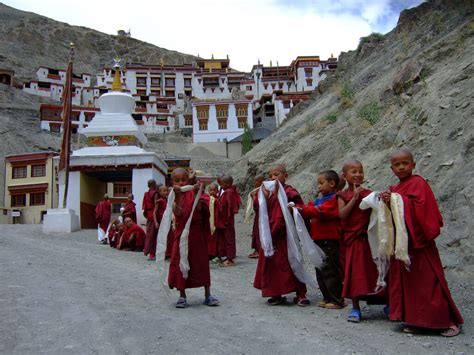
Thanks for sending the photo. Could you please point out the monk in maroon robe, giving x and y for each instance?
(199, 273)
(148, 207)
(130, 209)
(103, 212)
(360, 274)
(228, 205)
(274, 276)
(160, 207)
(419, 295)
(133, 236)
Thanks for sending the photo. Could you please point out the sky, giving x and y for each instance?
(245, 30)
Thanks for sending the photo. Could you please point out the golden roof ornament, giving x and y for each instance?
(117, 83)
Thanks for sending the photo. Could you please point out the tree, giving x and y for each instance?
(246, 140)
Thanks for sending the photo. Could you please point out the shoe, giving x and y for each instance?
(211, 301)
(216, 260)
(253, 255)
(301, 301)
(275, 301)
(227, 263)
(151, 258)
(182, 303)
(354, 316)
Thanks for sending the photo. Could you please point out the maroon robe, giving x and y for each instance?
(103, 212)
(360, 273)
(127, 242)
(148, 206)
(255, 233)
(199, 273)
(274, 276)
(420, 296)
(130, 211)
(227, 206)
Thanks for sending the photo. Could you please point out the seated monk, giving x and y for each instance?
(114, 233)
(133, 236)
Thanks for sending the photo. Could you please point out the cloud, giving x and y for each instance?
(277, 30)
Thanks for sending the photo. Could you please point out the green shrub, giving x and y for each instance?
(373, 37)
(370, 112)
(246, 140)
(345, 143)
(331, 117)
(347, 95)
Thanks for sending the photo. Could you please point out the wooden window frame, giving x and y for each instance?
(16, 169)
(14, 200)
(122, 189)
(36, 174)
(37, 199)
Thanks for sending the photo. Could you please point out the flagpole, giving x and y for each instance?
(67, 109)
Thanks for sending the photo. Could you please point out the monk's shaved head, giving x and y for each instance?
(259, 178)
(179, 172)
(227, 179)
(279, 167)
(349, 164)
(402, 152)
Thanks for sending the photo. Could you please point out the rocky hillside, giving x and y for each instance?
(28, 40)
(411, 88)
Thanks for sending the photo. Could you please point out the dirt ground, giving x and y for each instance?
(68, 294)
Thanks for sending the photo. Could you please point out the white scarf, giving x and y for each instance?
(386, 238)
(165, 228)
(298, 239)
(249, 212)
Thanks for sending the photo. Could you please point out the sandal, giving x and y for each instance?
(452, 331)
(227, 263)
(322, 304)
(386, 310)
(354, 316)
(275, 301)
(331, 305)
(211, 301)
(409, 330)
(182, 303)
(253, 255)
(302, 301)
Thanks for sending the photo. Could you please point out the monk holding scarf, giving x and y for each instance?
(419, 294)
(189, 265)
(103, 212)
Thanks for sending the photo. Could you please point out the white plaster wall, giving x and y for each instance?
(74, 192)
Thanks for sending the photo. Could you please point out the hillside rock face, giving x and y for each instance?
(28, 40)
(412, 89)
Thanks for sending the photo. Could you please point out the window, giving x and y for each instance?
(122, 189)
(116, 207)
(309, 82)
(188, 92)
(19, 172)
(203, 125)
(38, 170)
(248, 88)
(141, 81)
(188, 120)
(308, 72)
(155, 81)
(241, 110)
(169, 81)
(222, 111)
(242, 123)
(141, 92)
(18, 200)
(202, 112)
(222, 123)
(187, 81)
(37, 199)
(169, 93)
(286, 104)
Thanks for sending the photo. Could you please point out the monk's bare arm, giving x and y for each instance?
(345, 209)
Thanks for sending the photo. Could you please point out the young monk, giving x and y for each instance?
(160, 207)
(228, 205)
(199, 273)
(133, 236)
(258, 180)
(274, 276)
(103, 212)
(360, 274)
(130, 209)
(212, 245)
(114, 233)
(148, 206)
(326, 233)
(419, 295)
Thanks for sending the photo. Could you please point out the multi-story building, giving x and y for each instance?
(30, 186)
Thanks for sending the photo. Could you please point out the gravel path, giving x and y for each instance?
(68, 294)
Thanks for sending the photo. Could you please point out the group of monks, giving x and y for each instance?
(201, 228)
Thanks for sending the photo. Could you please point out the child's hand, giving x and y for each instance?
(177, 190)
(385, 197)
(266, 193)
(198, 186)
(357, 191)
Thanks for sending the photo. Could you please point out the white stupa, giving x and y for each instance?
(114, 155)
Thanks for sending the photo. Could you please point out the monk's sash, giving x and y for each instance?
(165, 228)
(387, 233)
(249, 212)
(212, 219)
(298, 239)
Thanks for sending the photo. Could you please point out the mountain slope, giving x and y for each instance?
(28, 40)
(411, 88)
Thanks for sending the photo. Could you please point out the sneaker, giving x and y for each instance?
(211, 301)
(182, 303)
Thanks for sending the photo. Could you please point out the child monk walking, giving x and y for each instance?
(419, 295)
(360, 274)
(228, 205)
(326, 233)
(198, 274)
(274, 276)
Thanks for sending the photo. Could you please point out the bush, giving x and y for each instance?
(345, 143)
(347, 95)
(370, 112)
(373, 37)
(246, 140)
(330, 117)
